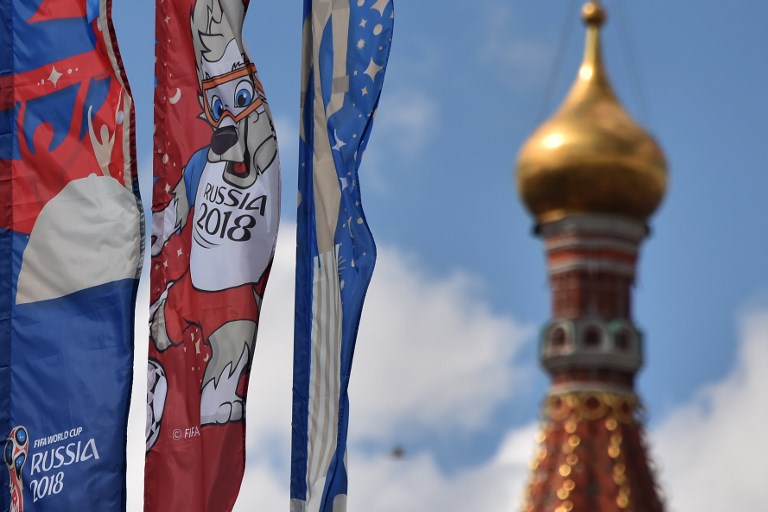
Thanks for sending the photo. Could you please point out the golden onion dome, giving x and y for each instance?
(591, 156)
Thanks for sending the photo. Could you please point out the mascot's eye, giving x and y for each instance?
(217, 108)
(243, 94)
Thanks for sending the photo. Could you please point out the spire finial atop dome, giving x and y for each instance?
(591, 156)
(593, 13)
(592, 69)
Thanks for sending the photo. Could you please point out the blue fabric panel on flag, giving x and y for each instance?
(79, 381)
(9, 150)
(71, 358)
(44, 42)
(6, 293)
(303, 317)
(6, 39)
(97, 95)
(92, 9)
(56, 110)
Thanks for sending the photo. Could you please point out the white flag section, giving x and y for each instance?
(324, 380)
(346, 48)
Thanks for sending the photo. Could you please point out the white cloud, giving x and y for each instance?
(379, 483)
(711, 450)
(428, 349)
(263, 489)
(416, 484)
(408, 120)
(137, 412)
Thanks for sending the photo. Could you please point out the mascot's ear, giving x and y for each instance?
(200, 100)
(202, 107)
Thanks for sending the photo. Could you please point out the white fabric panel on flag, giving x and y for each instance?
(325, 376)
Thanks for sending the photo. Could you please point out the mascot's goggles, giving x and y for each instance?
(235, 95)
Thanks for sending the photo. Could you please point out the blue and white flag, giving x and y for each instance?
(346, 48)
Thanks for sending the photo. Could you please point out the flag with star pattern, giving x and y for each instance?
(346, 48)
(71, 238)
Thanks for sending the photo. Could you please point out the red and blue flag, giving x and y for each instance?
(71, 235)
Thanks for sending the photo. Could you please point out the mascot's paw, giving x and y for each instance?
(219, 403)
(224, 413)
(157, 329)
(231, 347)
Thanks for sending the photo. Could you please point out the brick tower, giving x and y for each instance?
(591, 177)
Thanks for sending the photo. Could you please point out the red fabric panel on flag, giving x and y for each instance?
(215, 214)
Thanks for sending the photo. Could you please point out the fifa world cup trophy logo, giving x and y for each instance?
(16, 449)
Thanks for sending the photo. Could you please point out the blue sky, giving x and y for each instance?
(460, 290)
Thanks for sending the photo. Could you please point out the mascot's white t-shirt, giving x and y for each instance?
(234, 229)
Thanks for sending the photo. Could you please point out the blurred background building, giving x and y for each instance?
(591, 177)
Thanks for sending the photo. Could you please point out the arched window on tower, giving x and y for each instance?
(592, 337)
(558, 339)
(623, 340)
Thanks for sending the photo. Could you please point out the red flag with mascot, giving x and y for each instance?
(215, 213)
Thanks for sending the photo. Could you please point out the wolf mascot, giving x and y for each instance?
(215, 238)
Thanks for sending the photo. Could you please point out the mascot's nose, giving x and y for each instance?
(223, 139)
